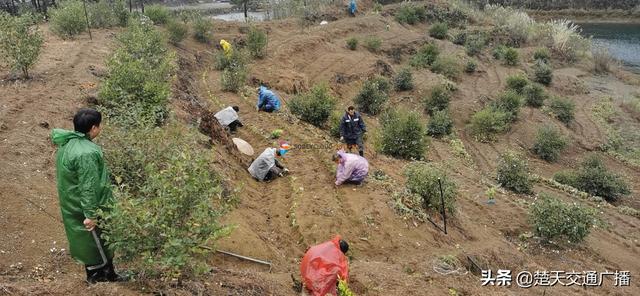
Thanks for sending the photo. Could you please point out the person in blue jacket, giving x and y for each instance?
(352, 128)
(352, 7)
(267, 100)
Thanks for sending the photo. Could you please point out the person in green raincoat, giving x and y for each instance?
(83, 189)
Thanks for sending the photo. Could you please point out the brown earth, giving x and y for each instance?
(277, 221)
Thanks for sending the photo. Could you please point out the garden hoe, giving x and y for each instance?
(102, 255)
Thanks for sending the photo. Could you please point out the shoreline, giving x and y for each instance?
(589, 16)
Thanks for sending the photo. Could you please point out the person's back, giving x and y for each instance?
(226, 116)
(261, 165)
(267, 99)
(322, 265)
(351, 168)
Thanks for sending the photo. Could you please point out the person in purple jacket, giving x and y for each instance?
(352, 168)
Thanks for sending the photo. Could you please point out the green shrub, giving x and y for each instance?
(474, 44)
(437, 100)
(422, 180)
(487, 123)
(334, 124)
(594, 178)
(234, 77)
(68, 20)
(439, 30)
(513, 173)
(425, 56)
(567, 177)
(160, 224)
(534, 95)
(202, 28)
(509, 102)
(372, 43)
(157, 13)
(237, 57)
(101, 15)
(542, 54)
(138, 86)
(511, 56)
(352, 43)
(20, 42)
(517, 83)
(257, 42)
(552, 219)
(460, 38)
(410, 14)
(440, 124)
(402, 135)
(373, 95)
(447, 66)
(177, 31)
(121, 13)
(404, 80)
(549, 143)
(471, 66)
(563, 109)
(542, 72)
(315, 106)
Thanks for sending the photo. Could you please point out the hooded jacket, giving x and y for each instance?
(322, 265)
(351, 168)
(83, 188)
(268, 98)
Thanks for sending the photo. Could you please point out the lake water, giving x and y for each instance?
(622, 40)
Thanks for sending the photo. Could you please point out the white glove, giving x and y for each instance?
(341, 138)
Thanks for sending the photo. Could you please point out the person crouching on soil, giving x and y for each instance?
(266, 167)
(352, 169)
(84, 189)
(323, 265)
(228, 117)
(268, 101)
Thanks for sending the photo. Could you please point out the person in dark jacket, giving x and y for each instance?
(352, 128)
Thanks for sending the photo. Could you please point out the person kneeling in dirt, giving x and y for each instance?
(352, 129)
(352, 169)
(226, 48)
(323, 264)
(228, 117)
(352, 7)
(267, 100)
(266, 167)
(84, 190)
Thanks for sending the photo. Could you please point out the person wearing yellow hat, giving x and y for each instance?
(266, 167)
(226, 48)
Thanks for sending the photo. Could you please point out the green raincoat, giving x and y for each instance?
(83, 188)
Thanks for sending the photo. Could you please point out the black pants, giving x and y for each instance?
(274, 172)
(233, 126)
(353, 142)
(106, 273)
(267, 108)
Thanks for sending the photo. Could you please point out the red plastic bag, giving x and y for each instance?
(321, 266)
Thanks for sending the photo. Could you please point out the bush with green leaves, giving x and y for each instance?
(402, 134)
(542, 54)
(440, 124)
(549, 143)
(334, 124)
(553, 219)
(352, 43)
(439, 30)
(372, 43)
(257, 42)
(511, 56)
(513, 173)
(563, 109)
(237, 57)
(474, 44)
(177, 31)
(101, 14)
(534, 95)
(517, 83)
(20, 41)
(425, 56)
(487, 123)
(234, 77)
(410, 14)
(594, 178)
(423, 180)
(140, 71)
(160, 223)
(121, 12)
(373, 95)
(447, 66)
(437, 100)
(460, 38)
(158, 14)
(471, 66)
(403, 80)
(202, 29)
(498, 52)
(509, 102)
(314, 106)
(68, 20)
(542, 72)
